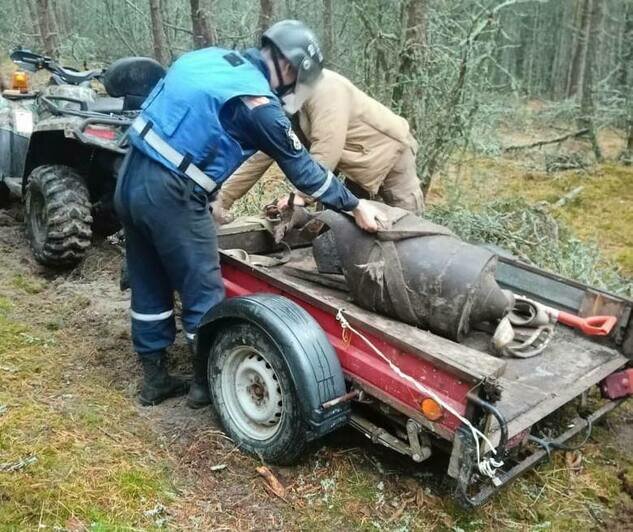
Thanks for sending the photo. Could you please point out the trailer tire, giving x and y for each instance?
(58, 219)
(254, 394)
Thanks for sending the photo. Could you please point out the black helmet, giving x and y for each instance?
(298, 44)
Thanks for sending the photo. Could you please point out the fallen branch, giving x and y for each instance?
(272, 482)
(575, 134)
(567, 198)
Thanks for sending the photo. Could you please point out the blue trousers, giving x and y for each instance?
(171, 246)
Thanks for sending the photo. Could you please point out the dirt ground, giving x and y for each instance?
(78, 453)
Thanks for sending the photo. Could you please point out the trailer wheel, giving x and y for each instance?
(254, 394)
(57, 205)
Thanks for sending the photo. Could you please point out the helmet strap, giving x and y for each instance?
(282, 89)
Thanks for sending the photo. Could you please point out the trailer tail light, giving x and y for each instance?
(20, 81)
(431, 409)
(101, 133)
(618, 384)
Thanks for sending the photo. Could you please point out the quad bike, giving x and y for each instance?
(62, 149)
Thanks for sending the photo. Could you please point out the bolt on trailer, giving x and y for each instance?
(297, 359)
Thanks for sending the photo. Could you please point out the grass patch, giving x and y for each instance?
(28, 285)
(82, 443)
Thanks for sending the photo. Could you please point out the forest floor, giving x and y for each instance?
(77, 452)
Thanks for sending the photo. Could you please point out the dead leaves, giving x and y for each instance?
(573, 460)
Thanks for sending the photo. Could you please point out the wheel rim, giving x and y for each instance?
(37, 216)
(252, 393)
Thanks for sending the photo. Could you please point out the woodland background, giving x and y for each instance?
(524, 114)
(446, 65)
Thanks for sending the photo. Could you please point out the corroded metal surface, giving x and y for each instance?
(415, 271)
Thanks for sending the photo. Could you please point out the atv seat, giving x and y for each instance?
(75, 77)
(132, 78)
(106, 105)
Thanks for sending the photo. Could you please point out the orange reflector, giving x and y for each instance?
(20, 81)
(431, 409)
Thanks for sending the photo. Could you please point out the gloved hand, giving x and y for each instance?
(297, 201)
(367, 216)
(220, 215)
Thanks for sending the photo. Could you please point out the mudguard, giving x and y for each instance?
(314, 366)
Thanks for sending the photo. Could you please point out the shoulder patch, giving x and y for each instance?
(294, 139)
(233, 59)
(255, 101)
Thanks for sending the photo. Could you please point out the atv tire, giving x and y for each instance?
(58, 220)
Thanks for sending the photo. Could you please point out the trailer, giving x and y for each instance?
(297, 359)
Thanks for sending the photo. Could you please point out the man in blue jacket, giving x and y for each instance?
(212, 111)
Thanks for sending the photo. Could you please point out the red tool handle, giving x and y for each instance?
(591, 326)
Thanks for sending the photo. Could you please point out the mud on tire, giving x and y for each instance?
(57, 215)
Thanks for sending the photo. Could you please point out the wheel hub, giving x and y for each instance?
(252, 393)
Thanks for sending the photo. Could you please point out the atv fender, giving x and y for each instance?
(315, 369)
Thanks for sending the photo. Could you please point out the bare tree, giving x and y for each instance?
(412, 56)
(158, 34)
(266, 9)
(46, 23)
(204, 33)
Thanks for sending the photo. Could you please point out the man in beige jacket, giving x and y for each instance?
(350, 132)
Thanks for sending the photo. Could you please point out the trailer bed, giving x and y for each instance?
(531, 388)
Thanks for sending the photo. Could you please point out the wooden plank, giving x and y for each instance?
(533, 413)
(534, 388)
(253, 238)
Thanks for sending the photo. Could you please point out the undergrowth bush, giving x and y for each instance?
(531, 233)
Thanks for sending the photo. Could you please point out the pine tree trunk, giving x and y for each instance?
(594, 9)
(577, 72)
(204, 33)
(158, 33)
(266, 9)
(412, 56)
(625, 83)
(46, 23)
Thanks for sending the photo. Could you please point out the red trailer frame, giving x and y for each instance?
(468, 384)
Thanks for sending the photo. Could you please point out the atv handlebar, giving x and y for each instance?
(33, 62)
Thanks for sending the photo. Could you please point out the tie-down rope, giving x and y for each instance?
(488, 466)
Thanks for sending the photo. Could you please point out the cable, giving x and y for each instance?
(487, 467)
(548, 445)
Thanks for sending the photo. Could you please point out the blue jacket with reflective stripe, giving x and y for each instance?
(185, 107)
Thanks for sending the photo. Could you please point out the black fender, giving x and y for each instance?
(311, 359)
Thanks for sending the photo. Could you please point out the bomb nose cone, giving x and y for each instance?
(491, 302)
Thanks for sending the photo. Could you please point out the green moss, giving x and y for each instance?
(88, 463)
(28, 285)
(601, 213)
(5, 306)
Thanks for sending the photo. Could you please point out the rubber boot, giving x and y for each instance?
(198, 396)
(158, 384)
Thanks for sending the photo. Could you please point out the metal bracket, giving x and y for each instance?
(419, 452)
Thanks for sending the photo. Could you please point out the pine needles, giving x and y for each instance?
(531, 233)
